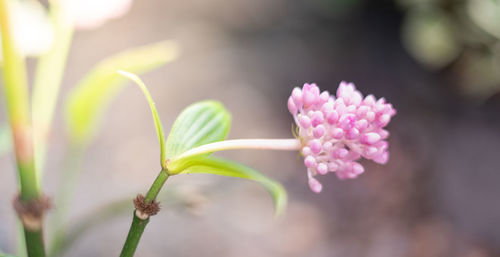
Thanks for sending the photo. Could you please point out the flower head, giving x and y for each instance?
(335, 132)
(89, 14)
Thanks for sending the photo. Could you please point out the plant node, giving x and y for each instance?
(31, 212)
(143, 209)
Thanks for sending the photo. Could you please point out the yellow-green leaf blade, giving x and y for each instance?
(156, 117)
(222, 167)
(200, 123)
(89, 98)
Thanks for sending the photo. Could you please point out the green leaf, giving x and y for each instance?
(156, 117)
(47, 81)
(222, 167)
(200, 123)
(89, 98)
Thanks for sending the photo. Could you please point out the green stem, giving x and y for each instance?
(133, 237)
(34, 243)
(16, 96)
(28, 180)
(20, 240)
(138, 225)
(156, 186)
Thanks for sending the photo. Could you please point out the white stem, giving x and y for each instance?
(259, 144)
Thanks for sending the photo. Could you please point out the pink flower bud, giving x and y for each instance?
(315, 146)
(319, 131)
(337, 133)
(291, 106)
(370, 138)
(340, 153)
(352, 134)
(304, 122)
(297, 96)
(328, 146)
(307, 151)
(332, 117)
(310, 162)
(315, 186)
(317, 118)
(322, 168)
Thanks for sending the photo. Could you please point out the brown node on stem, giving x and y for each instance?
(31, 212)
(145, 209)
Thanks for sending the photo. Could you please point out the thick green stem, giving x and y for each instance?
(138, 225)
(133, 237)
(17, 101)
(34, 243)
(28, 180)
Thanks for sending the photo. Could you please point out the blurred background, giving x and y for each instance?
(436, 61)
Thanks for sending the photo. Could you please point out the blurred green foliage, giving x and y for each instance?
(428, 36)
(462, 37)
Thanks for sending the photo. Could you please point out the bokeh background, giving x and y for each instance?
(436, 61)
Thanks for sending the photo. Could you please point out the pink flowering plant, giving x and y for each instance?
(333, 132)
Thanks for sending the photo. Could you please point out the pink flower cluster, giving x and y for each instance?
(336, 132)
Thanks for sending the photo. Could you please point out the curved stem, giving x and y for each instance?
(138, 225)
(292, 144)
(155, 188)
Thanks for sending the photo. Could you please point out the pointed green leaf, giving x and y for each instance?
(222, 167)
(200, 123)
(156, 117)
(89, 98)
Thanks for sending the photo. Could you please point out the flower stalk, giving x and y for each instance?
(291, 144)
(31, 199)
